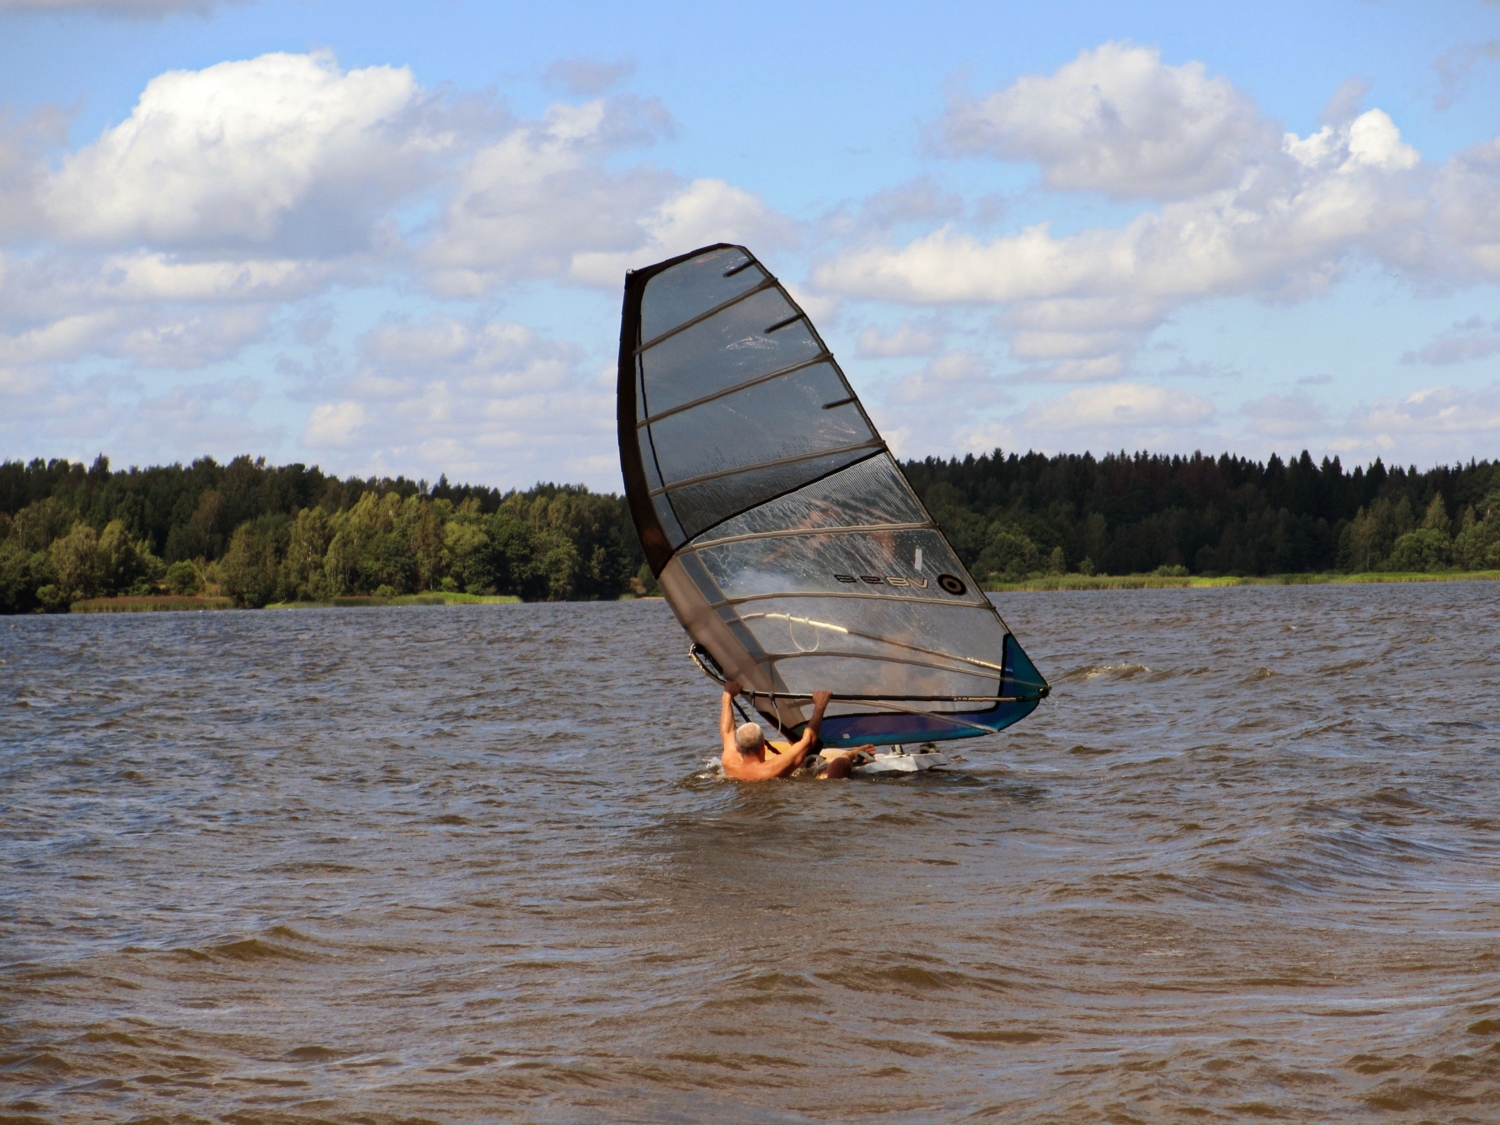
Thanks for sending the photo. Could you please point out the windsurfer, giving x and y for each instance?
(745, 755)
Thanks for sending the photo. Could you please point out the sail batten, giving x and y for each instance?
(781, 530)
(758, 465)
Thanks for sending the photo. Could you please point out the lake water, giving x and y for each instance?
(466, 864)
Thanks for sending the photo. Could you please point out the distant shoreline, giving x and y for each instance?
(1163, 581)
(1052, 584)
(173, 603)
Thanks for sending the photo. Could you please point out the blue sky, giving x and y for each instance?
(390, 237)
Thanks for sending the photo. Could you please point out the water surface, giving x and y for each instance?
(464, 864)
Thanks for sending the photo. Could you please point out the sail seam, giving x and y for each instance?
(853, 594)
(798, 487)
(825, 357)
(978, 670)
(787, 533)
(833, 451)
(893, 643)
(761, 287)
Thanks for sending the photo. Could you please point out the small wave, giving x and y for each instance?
(999, 1038)
(260, 949)
(1094, 671)
(313, 1054)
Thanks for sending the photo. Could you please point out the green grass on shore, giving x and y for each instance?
(149, 604)
(1162, 581)
(430, 598)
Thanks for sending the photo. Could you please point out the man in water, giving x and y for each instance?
(745, 755)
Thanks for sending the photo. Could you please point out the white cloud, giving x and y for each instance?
(540, 200)
(196, 416)
(1467, 201)
(493, 401)
(957, 374)
(1285, 416)
(333, 425)
(1473, 339)
(1120, 405)
(63, 339)
(906, 339)
(495, 359)
(1444, 412)
(50, 415)
(1096, 369)
(1118, 120)
(277, 148)
(187, 231)
(1370, 140)
(195, 341)
(1279, 231)
(1247, 212)
(700, 214)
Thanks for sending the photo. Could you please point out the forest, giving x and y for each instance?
(262, 534)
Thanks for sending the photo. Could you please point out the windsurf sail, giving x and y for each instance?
(779, 527)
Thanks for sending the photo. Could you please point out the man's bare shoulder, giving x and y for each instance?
(740, 768)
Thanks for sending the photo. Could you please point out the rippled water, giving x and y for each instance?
(465, 864)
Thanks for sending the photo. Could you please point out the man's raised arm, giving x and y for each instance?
(814, 726)
(726, 712)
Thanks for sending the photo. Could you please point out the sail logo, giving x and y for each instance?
(948, 582)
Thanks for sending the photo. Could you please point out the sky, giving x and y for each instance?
(390, 238)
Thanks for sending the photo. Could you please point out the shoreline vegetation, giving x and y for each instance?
(1058, 582)
(252, 535)
(1050, 584)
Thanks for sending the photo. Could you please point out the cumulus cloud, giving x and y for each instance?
(1121, 405)
(194, 341)
(1466, 202)
(952, 375)
(1281, 230)
(906, 339)
(699, 214)
(283, 149)
(43, 413)
(216, 213)
(541, 202)
(1245, 210)
(1439, 412)
(487, 399)
(1473, 339)
(333, 425)
(174, 239)
(1118, 120)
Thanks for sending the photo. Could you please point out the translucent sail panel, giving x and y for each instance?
(693, 287)
(738, 402)
(895, 565)
(909, 647)
(755, 336)
(782, 418)
(701, 505)
(870, 493)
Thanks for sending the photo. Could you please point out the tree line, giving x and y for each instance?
(1011, 517)
(260, 533)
